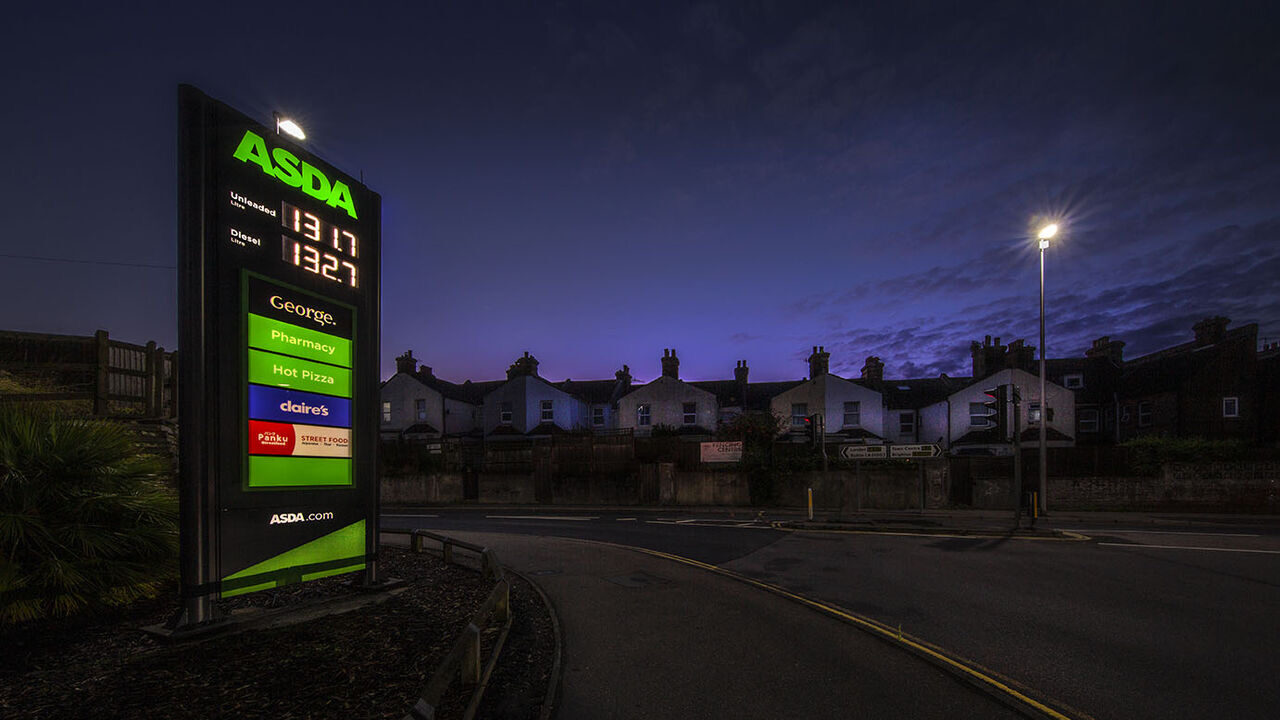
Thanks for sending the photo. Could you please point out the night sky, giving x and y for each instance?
(593, 182)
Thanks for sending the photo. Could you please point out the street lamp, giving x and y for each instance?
(289, 127)
(1046, 232)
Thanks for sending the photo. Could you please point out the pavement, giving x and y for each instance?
(646, 637)
(933, 520)
(1154, 615)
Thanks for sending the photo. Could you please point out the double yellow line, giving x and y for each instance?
(1001, 689)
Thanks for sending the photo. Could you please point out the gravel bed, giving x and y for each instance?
(367, 663)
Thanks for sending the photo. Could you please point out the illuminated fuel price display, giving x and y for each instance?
(280, 393)
(321, 248)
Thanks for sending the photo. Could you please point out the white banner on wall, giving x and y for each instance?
(726, 452)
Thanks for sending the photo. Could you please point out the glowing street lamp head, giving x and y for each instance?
(289, 127)
(1047, 232)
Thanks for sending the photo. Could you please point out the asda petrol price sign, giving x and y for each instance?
(279, 282)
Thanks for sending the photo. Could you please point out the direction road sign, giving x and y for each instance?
(922, 450)
(862, 452)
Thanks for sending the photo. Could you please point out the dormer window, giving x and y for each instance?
(1074, 381)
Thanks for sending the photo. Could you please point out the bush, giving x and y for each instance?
(398, 458)
(85, 520)
(1150, 452)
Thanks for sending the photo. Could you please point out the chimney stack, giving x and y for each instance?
(406, 363)
(988, 357)
(740, 372)
(623, 384)
(1210, 330)
(1105, 347)
(670, 364)
(1021, 355)
(873, 369)
(526, 365)
(819, 362)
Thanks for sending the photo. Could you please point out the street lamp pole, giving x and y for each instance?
(1046, 232)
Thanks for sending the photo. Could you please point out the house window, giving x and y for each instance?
(691, 413)
(1144, 414)
(978, 415)
(642, 415)
(907, 423)
(505, 416)
(1073, 382)
(1088, 420)
(597, 416)
(1033, 413)
(852, 414)
(548, 411)
(420, 409)
(1230, 407)
(799, 413)
(386, 411)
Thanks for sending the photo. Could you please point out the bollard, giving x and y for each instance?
(810, 493)
(470, 668)
(503, 609)
(446, 551)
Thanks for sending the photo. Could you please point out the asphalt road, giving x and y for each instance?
(1141, 621)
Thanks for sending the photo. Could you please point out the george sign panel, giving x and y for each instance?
(279, 281)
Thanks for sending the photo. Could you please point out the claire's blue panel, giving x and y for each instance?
(295, 406)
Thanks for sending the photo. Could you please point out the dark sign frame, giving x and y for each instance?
(237, 536)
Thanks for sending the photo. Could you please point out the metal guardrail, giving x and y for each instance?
(463, 662)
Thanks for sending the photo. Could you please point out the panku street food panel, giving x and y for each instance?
(286, 252)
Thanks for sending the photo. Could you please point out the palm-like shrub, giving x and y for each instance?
(84, 519)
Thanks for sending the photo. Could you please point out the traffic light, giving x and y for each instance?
(997, 409)
(813, 428)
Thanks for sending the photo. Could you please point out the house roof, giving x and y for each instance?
(759, 394)
(596, 392)
(468, 392)
(917, 393)
(420, 429)
(728, 392)
(855, 434)
(547, 428)
(1101, 377)
(1171, 368)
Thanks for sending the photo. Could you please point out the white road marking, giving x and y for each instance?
(403, 515)
(690, 520)
(1158, 532)
(660, 522)
(1190, 547)
(542, 517)
(626, 519)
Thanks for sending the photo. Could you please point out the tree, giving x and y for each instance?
(85, 520)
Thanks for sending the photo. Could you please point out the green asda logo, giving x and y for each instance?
(288, 169)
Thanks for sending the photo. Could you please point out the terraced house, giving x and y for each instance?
(1218, 385)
